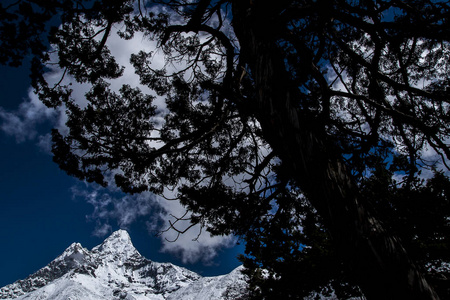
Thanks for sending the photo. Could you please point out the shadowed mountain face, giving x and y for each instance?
(116, 270)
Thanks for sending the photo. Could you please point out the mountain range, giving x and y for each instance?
(116, 270)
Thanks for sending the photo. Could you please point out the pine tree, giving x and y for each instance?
(275, 102)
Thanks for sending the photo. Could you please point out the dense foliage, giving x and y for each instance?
(283, 122)
(418, 214)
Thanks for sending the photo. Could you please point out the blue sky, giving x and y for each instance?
(41, 215)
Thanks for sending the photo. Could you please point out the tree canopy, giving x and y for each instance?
(301, 126)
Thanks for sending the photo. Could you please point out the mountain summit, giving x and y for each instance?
(117, 248)
(116, 270)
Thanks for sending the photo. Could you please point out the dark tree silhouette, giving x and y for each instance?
(417, 214)
(272, 103)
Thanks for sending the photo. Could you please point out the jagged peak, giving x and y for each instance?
(74, 248)
(120, 234)
(119, 242)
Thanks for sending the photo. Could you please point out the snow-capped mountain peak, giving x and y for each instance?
(75, 255)
(116, 270)
(117, 247)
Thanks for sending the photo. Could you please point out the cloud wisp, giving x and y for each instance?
(111, 207)
(23, 122)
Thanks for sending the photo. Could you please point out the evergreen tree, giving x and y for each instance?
(276, 104)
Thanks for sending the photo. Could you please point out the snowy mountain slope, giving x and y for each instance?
(231, 285)
(116, 270)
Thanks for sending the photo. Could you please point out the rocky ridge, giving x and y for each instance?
(116, 270)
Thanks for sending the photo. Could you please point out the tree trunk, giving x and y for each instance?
(377, 261)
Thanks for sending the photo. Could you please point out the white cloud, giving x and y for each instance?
(102, 230)
(203, 249)
(110, 206)
(193, 245)
(22, 123)
(45, 143)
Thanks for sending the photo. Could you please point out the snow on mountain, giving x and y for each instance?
(230, 286)
(116, 270)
